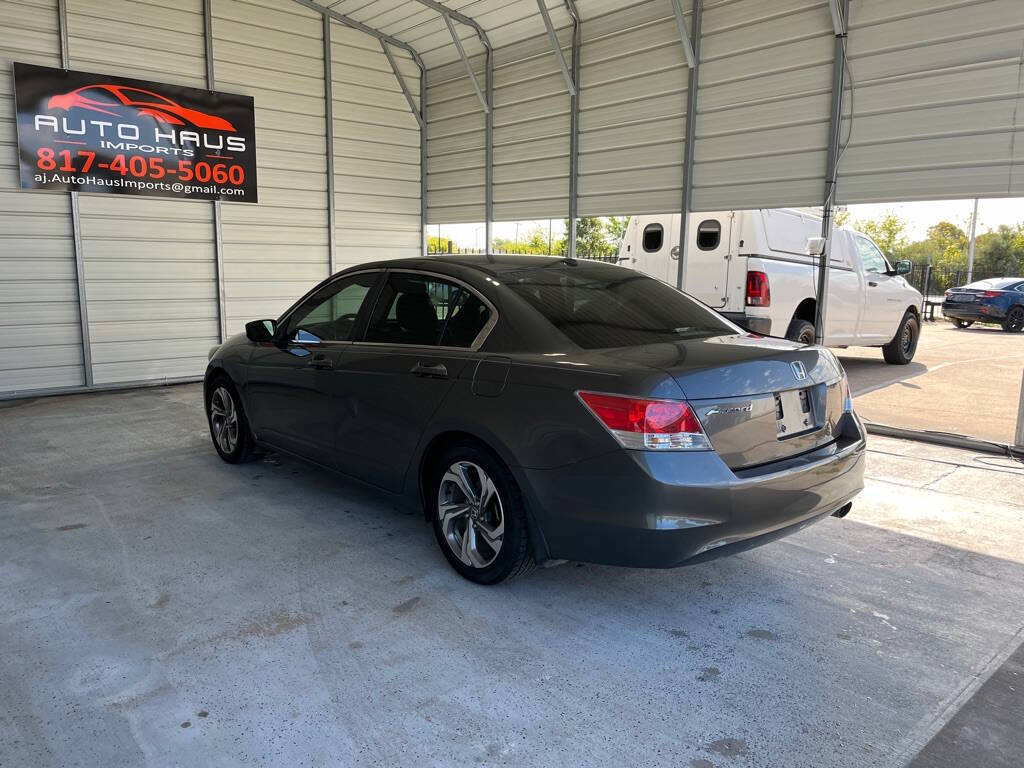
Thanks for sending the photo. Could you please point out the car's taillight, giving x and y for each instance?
(948, 292)
(759, 293)
(990, 294)
(651, 425)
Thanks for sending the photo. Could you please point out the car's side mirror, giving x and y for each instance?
(815, 246)
(904, 267)
(261, 330)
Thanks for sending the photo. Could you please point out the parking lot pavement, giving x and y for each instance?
(159, 607)
(963, 381)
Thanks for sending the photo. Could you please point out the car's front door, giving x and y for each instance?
(289, 380)
(884, 295)
(419, 338)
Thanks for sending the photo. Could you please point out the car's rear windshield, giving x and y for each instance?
(603, 307)
(995, 283)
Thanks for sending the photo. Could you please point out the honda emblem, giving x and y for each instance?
(799, 371)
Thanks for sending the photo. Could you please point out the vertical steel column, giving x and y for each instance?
(76, 221)
(839, 18)
(574, 128)
(218, 231)
(423, 157)
(690, 142)
(332, 264)
(489, 147)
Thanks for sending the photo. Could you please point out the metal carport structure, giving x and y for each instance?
(376, 117)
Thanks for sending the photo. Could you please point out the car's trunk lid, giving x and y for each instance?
(759, 400)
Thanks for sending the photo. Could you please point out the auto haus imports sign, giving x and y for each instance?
(95, 133)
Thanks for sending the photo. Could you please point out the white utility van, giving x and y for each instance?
(758, 268)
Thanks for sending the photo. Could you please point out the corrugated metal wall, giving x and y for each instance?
(456, 142)
(763, 104)
(275, 251)
(632, 111)
(376, 151)
(150, 273)
(938, 109)
(40, 335)
(531, 129)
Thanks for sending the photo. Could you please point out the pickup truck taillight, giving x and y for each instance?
(759, 293)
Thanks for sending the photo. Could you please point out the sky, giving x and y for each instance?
(919, 216)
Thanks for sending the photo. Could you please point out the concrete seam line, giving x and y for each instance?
(947, 711)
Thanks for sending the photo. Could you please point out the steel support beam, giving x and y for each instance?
(405, 86)
(556, 47)
(690, 140)
(489, 149)
(684, 35)
(358, 25)
(484, 102)
(839, 16)
(76, 221)
(423, 162)
(332, 241)
(574, 127)
(218, 229)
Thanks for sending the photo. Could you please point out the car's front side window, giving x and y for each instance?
(331, 313)
(423, 310)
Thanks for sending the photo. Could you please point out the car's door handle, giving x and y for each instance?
(430, 371)
(872, 283)
(321, 362)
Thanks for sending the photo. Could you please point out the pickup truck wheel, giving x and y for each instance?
(901, 349)
(800, 330)
(1014, 322)
(963, 323)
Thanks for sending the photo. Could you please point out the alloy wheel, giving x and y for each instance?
(224, 419)
(471, 514)
(1015, 320)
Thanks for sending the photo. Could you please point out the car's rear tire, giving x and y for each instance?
(478, 515)
(962, 323)
(901, 349)
(229, 427)
(1014, 320)
(801, 331)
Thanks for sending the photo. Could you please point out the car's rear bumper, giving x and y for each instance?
(974, 312)
(660, 510)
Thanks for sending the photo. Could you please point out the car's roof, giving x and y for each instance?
(488, 263)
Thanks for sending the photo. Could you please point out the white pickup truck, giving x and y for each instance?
(758, 268)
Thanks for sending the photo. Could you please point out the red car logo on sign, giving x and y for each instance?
(115, 99)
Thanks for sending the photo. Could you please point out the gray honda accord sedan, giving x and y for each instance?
(544, 409)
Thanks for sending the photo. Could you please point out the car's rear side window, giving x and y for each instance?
(606, 307)
(426, 311)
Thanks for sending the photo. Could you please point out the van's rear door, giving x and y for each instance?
(708, 256)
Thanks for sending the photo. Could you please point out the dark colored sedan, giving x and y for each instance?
(999, 300)
(544, 409)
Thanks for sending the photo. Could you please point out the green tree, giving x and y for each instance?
(1000, 252)
(841, 216)
(950, 244)
(888, 232)
(439, 245)
(595, 237)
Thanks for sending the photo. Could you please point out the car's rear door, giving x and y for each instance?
(421, 335)
(289, 381)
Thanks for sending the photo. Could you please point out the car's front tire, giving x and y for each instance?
(962, 323)
(229, 427)
(478, 515)
(1014, 320)
(901, 349)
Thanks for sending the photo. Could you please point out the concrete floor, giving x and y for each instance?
(963, 381)
(159, 607)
